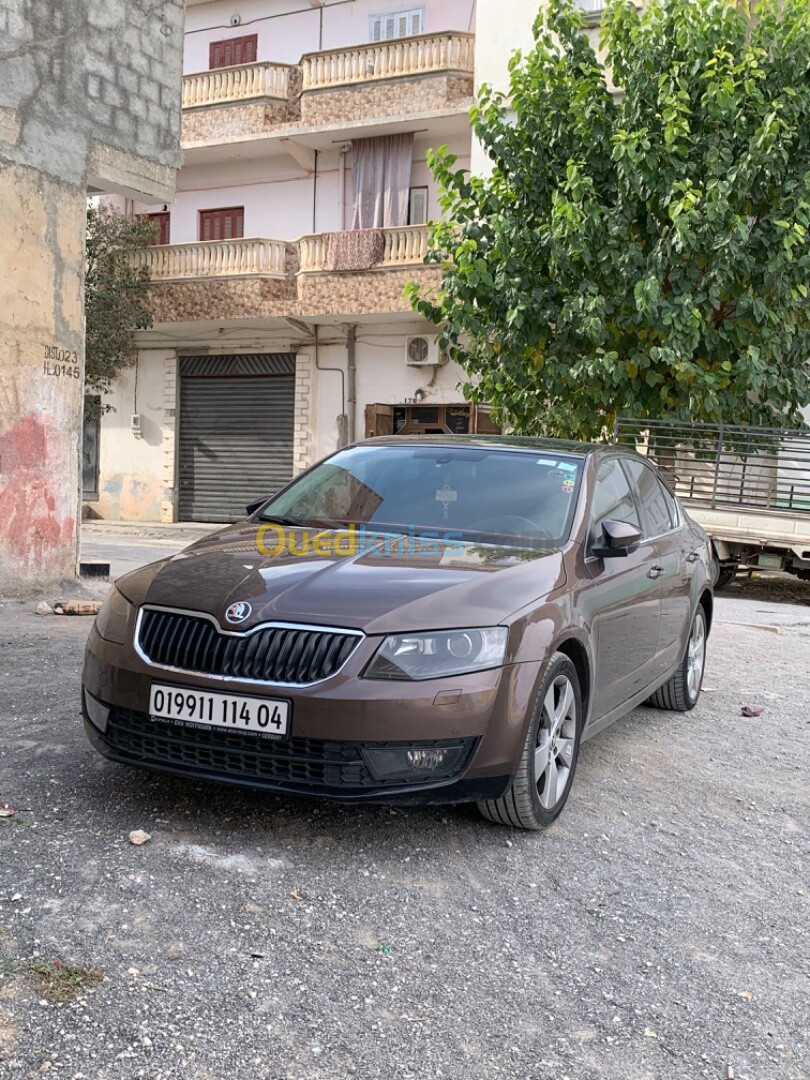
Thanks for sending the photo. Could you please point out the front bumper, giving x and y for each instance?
(333, 724)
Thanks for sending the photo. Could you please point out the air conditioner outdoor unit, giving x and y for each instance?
(423, 351)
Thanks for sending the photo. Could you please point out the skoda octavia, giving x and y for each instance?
(412, 619)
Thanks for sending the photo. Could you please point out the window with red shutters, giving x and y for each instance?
(162, 221)
(225, 224)
(238, 50)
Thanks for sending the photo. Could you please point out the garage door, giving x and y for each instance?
(235, 433)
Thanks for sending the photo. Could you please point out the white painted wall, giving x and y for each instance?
(287, 29)
(496, 39)
(131, 469)
(278, 195)
(382, 377)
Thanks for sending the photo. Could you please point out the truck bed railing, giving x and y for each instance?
(718, 465)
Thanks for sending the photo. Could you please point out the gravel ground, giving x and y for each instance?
(659, 930)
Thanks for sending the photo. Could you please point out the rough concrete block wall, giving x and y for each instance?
(233, 298)
(422, 93)
(310, 294)
(366, 292)
(76, 73)
(89, 94)
(218, 122)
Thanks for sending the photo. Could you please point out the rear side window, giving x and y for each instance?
(612, 499)
(657, 505)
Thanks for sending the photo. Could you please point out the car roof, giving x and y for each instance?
(501, 442)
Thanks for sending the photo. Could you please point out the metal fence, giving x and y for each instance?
(718, 465)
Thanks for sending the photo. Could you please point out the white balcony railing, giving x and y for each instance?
(388, 59)
(216, 258)
(239, 83)
(312, 252)
(255, 256)
(403, 246)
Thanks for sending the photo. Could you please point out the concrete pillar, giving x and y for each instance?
(42, 231)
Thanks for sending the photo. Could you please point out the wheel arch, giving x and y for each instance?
(706, 601)
(578, 655)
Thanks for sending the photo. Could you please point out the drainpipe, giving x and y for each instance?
(351, 380)
(315, 193)
(344, 150)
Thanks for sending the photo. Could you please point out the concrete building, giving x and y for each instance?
(281, 330)
(89, 101)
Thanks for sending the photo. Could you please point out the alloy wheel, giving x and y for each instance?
(556, 741)
(696, 656)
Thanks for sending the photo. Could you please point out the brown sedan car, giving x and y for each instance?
(412, 619)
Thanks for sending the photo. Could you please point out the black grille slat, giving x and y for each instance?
(272, 654)
(291, 658)
(287, 641)
(201, 646)
(250, 655)
(169, 642)
(316, 664)
(184, 642)
(305, 659)
(345, 651)
(330, 661)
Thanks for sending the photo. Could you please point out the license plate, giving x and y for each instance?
(262, 716)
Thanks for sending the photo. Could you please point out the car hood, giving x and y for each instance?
(376, 587)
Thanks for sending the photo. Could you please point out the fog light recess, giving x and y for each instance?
(430, 762)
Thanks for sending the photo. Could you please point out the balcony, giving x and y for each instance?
(229, 85)
(404, 246)
(333, 88)
(317, 275)
(251, 257)
(246, 99)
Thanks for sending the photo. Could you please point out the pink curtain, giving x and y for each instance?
(381, 176)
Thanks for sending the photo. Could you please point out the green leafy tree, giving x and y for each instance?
(116, 297)
(642, 251)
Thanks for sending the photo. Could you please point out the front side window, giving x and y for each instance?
(475, 493)
(612, 500)
(657, 505)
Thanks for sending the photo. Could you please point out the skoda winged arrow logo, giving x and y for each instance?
(238, 612)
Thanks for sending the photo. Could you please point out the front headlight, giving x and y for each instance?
(112, 622)
(442, 652)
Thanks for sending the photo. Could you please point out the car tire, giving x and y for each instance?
(682, 691)
(553, 738)
(725, 576)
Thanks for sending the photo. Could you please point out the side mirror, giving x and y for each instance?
(619, 538)
(252, 507)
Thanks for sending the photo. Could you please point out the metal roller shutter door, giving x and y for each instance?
(235, 438)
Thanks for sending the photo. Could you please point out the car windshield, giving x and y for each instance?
(471, 493)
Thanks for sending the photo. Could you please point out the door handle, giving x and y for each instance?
(655, 571)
